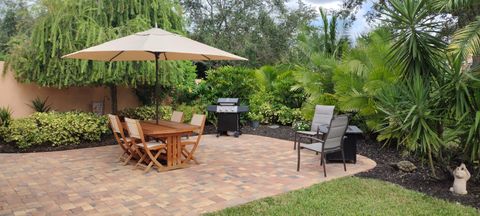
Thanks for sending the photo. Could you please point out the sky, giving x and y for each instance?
(360, 25)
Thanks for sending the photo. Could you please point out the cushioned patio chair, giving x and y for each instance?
(177, 116)
(333, 142)
(124, 142)
(321, 120)
(194, 141)
(151, 149)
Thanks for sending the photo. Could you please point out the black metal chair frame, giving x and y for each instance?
(323, 152)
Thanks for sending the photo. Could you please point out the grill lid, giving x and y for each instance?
(227, 101)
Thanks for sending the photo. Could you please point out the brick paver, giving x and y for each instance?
(91, 181)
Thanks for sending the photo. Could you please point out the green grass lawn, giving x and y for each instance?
(351, 196)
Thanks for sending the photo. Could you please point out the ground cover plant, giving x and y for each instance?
(55, 129)
(350, 196)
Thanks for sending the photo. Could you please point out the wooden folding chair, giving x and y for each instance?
(197, 120)
(151, 149)
(124, 142)
(177, 116)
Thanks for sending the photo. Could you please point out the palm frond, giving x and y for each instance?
(466, 41)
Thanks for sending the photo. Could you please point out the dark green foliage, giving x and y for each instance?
(5, 116)
(147, 112)
(56, 128)
(230, 82)
(412, 118)
(278, 81)
(417, 48)
(189, 110)
(39, 105)
(15, 18)
(362, 75)
(67, 26)
(261, 30)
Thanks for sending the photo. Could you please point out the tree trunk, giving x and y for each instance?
(113, 95)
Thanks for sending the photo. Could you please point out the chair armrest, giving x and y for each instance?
(310, 137)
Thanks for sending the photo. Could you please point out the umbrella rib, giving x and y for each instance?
(206, 57)
(116, 56)
(165, 55)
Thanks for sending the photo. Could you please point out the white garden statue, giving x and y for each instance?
(461, 175)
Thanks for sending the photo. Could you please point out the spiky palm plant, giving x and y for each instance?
(417, 49)
(412, 114)
(362, 74)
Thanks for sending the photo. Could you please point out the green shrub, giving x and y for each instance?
(56, 129)
(301, 126)
(287, 116)
(147, 112)
(189, 110)
(234, 82)
(262, 107)
(165, 112)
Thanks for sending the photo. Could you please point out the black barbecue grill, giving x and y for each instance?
(228, 115)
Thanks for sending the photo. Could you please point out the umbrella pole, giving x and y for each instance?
(157, 55)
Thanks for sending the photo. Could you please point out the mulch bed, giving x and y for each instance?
(12, 148)
(419, 180)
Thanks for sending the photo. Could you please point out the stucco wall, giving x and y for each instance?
(18, 96)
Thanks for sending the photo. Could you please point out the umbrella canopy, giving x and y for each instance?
(154, 44)
(142, 46)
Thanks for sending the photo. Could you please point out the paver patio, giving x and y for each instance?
(91, 181)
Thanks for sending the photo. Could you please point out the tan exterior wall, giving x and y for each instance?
(18, 96)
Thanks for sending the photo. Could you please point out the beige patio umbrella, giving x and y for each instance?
(154, 44)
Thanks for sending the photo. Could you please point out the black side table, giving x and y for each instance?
(353, 136)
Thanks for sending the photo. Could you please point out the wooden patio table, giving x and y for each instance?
(172, 133)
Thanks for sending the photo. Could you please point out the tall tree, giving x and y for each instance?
(15, 18)
(262, 31)
(67, 26)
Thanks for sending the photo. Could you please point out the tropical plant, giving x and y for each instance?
(416, 121)
(466, 41)
(416, 49)
(315, 80)
(40, 105)
(362, 74)
(278, 81)
(411, 118)
(5, 116)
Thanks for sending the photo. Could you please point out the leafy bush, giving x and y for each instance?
(165, 112)
(56, 129)
(301, 126)
(265, 109)
(287, 116)
(278, 81)
(234, 82)
(40, 105)
(262, 107)
(147, 112)
(188, 111)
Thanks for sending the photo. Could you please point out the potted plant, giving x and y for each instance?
(255, 119)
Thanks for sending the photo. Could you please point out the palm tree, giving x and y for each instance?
(363, 73)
